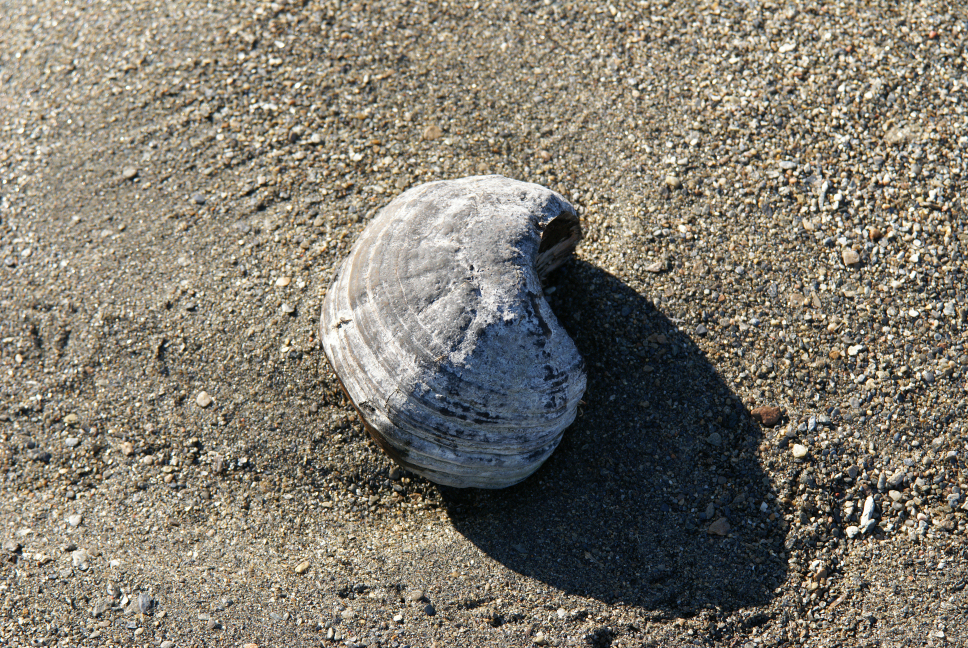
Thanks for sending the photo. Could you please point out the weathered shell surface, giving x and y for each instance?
(437, 327)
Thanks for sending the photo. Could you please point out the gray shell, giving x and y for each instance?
(437, 327)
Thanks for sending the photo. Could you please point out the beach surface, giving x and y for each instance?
(770, 300)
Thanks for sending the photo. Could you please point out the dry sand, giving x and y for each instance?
(772, 195)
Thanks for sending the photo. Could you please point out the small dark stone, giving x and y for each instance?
(767, 416)
(39, 455)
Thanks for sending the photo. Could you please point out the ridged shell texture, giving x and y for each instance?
(437, 327)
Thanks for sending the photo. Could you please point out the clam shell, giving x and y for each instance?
(437, 327)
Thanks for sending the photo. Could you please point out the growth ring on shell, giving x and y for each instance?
(437, 327)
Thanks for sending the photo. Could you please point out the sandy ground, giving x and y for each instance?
(772, 196)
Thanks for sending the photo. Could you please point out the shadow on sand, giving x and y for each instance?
(661, 450)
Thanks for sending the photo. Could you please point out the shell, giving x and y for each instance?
(437, 327)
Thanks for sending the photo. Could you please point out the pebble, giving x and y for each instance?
(799, 451)
(129, 172)
(714, 439)
(11, 546)
(673, 182)
(850, 256)
(75, 520)
(868, 519)
(767, 416)
(38, 455)
(287, 309)
(303, 567)
(432, 132)
(852, 531)
(429, 609)
(719, 528)
(198, 199)
(79, 557)
(415, 595)
(145, 603)
(100, 607)
(202, 399)
(897, 479)
(72, 442)
(282, 282)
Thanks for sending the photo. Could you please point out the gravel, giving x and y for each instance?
(773, 200)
